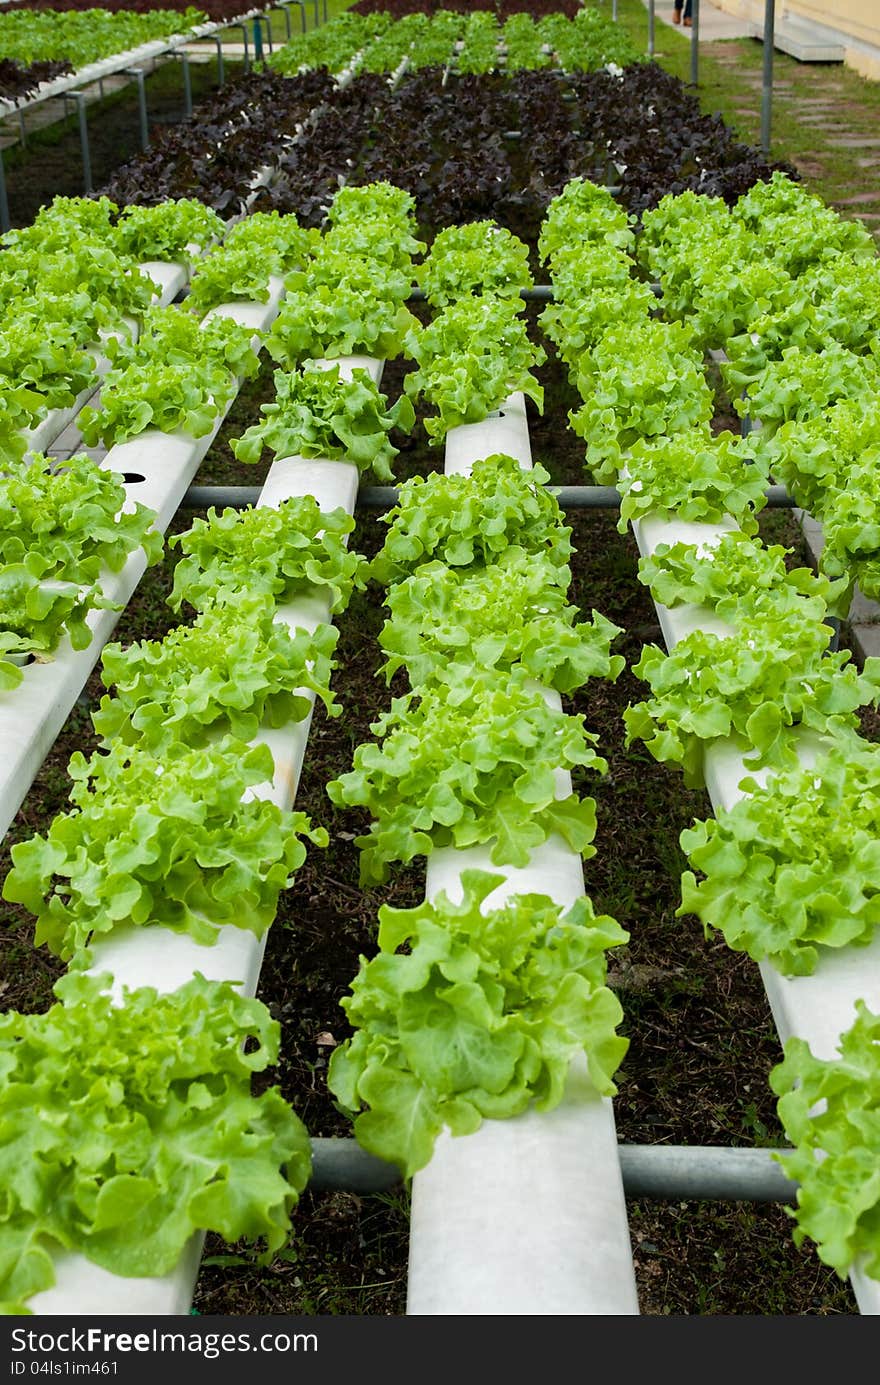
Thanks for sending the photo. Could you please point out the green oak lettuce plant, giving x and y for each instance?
(581, 271)
(669, 230)
(512, 613)
(467, 1013)
(319, 413)
(163, 840)
(467, 521)
(285, 550)
(91, 217)
(263, 245)
(642, 382)
(97, 286)
(177, 377)
(468, 759)
(584, 212)
(694, 476)
(816, 455)
(803, 384)
(173, 230)
(36, 612)
(480, 257)
(341, 319)
(828, 1109)
(793, 868)
(379, 200)
(73, 518)
(579, 323)
(770, 675)
(139, 1113)
(234, 669)
(379, 240)
(45, 356)
(797, 230)
(735, 576)
(470, 358)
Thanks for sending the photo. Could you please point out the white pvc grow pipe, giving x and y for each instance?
(526, 1216)
(164, 463)
(170, 278)
(820, 1007)
(166, 960)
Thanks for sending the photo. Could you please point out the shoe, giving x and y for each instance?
(688, 23)
(676, 15)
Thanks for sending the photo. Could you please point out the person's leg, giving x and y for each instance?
(687, 21)
(676, 14)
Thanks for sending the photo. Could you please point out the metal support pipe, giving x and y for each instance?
(187, 85)
(383, 497)
(709, 1172)
(767, 84)
(650, 28)
(614, 9)
(247, 51)
(84, 141)
(704, 1171)
(220, 71)
(695, 43)
(540, 293)
(21, 130)
(5, 224)
(138, 74)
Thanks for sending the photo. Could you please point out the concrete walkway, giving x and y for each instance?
(714, 23)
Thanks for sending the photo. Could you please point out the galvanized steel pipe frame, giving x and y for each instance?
(383, 497)
(712, 1173)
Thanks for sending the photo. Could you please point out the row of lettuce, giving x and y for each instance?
(788, 874)
(469, 43)
(467, 1011)
(166, 831)
(155, 1118)
(67, 41)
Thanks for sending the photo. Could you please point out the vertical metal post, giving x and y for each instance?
(317, 16)
(4, 203)
(650, 28)
(220, 73)
(84, 141)
(247, 54)
(767, 87)
(286, 10)
(21, 130)
(695, 43)
(325, 11)
(187, 85)
(302, 15)
(138, 74)
(258, 41)
(614, 9)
